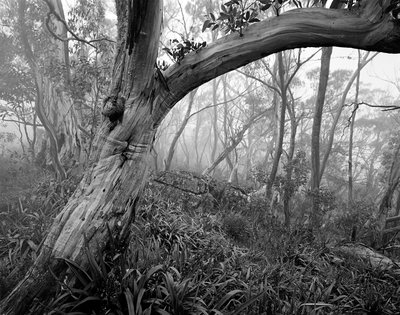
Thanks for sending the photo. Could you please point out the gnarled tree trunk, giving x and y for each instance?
(106, 197)
(140, 97)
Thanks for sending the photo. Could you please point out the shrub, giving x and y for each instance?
(25, 221)
(236, 226)
(180, 261)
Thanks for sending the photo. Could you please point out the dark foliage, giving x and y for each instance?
(191, 255)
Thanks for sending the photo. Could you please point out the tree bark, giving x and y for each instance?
(107, 195)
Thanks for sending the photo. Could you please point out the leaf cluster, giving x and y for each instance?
(299, 169)
(235, 15)
(178, 49)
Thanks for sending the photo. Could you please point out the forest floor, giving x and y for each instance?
(202, 250)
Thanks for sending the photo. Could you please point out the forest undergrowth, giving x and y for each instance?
(194, 254)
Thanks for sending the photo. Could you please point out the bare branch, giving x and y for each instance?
(297, 68)
(259, 80)
(384, 108)
(74, 36)
(21, 122)
(217, 104)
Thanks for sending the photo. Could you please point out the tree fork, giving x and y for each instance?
(119, 165)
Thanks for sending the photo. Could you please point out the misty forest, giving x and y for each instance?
(199, 157)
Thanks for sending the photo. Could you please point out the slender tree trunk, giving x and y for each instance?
(350, 161)
(196, 143)
(393, 182)
(32, 142)
(233, 176)
(185, 151)
(214, 121)
(281, 132)
(316, 129)
(249, 153)
(21, 139)
(178, 133)
(353, 119)
(58, 105)
(341, 105)
(222, 156)
(54, 108)
(225, 126)
(272, 143)
(288, 191)
(234, 143)
(371, 168)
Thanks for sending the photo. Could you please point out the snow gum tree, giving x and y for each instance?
(141, 95)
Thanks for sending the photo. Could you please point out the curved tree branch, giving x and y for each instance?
(368, 28)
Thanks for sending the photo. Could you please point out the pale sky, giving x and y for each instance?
(382, 67)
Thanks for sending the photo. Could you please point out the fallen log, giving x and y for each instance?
(392, 219)
(366, 254)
